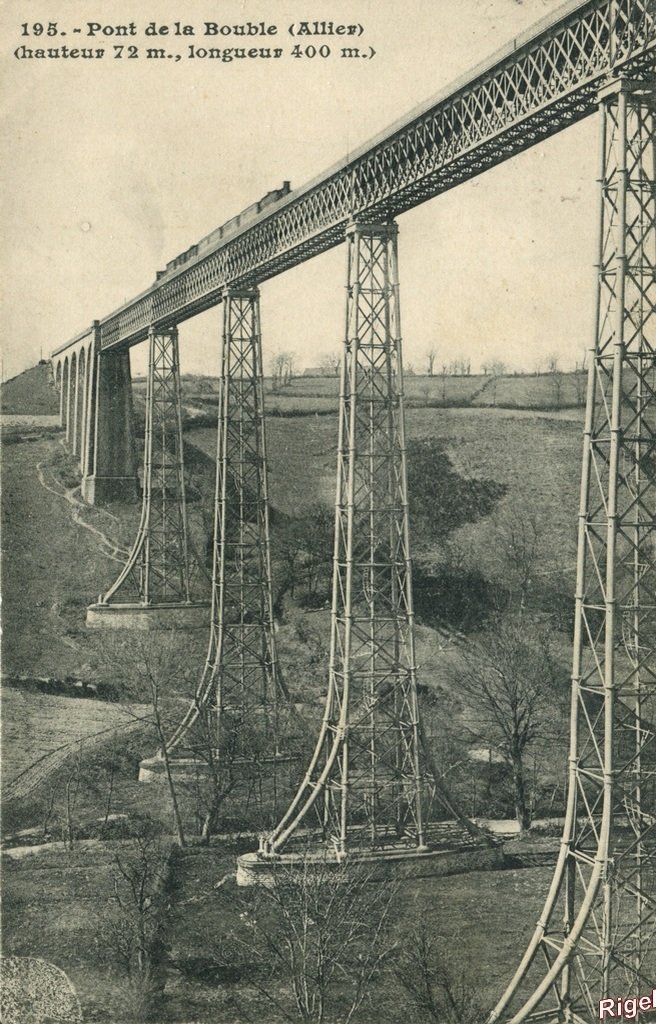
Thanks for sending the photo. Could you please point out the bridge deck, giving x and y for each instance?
(537, 85)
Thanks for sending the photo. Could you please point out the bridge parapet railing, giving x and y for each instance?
(538, 84)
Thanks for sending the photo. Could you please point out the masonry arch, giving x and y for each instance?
(72, 393)
(66, 394)
(80, 402)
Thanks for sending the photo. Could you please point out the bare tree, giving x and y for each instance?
(324, 931)
(438, 987)
(277, 370)
(330, 363)
(432, 356)
(238, 758)
(131, 927)
(154, 667)
(553, 369)
(519, 546)
(282, 369)
(512, 681)
(154, 686)
(288, 368)
(71, 792)
(580, 378)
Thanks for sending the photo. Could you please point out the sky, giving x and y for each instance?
(112, 167)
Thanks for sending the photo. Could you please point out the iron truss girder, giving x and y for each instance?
(596, 937)
(535, 88)
(366, 784)
(241, 678)
(158, 567)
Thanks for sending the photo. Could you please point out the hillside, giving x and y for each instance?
(31, 393)
(74, 760)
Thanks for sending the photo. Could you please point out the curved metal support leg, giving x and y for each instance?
(158, 569)
(597, 933)
(365, 781)
(241, 675)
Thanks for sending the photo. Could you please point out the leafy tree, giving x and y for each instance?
(440, 499)
(305, 548)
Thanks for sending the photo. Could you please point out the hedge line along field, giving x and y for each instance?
(305, 394)
(536, 455)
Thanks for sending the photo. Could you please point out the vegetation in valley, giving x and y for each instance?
(132, 890)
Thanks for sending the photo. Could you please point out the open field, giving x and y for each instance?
(52, 725)
(207, 975)
(535, 454)
(549, 391)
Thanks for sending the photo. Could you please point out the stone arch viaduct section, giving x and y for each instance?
(95, 410)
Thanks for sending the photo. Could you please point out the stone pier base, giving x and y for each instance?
(100, 490)
(195, 615)
(183, 769)
(381, 865)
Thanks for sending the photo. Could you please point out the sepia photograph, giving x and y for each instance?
(328, 477)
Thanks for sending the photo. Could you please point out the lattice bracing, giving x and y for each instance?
(158, 568)
(536, 86)
(365, 784)
(241, 684)
(597, 934)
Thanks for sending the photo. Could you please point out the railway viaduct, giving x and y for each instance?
(370, 775)
(536, 86)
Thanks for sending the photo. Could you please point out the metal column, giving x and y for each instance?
(157, 570)
(596, 938)
(365, 783)
(241, 682)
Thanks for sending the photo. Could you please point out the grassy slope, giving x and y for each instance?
(44, 722)
(482, 919)
(47, 585)
(52, 567)
(31, 393)
(535, 454)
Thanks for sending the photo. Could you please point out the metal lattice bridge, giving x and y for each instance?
(369, 786)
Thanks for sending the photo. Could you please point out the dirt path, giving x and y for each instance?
(55, 726)
(53, 566)
(70, 494)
